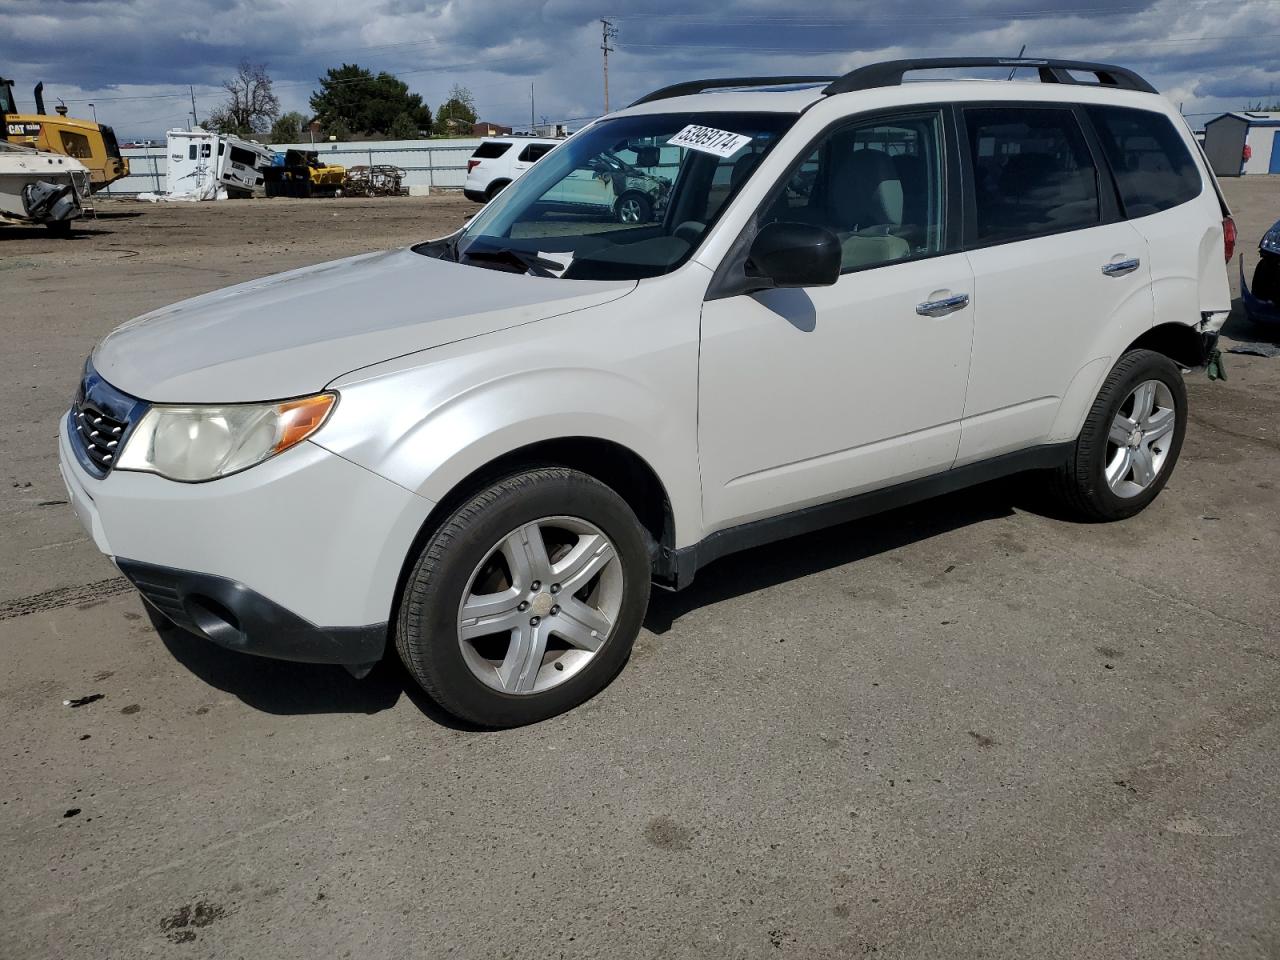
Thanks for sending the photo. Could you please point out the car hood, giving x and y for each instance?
(291, 334)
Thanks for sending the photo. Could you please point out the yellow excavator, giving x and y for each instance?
(92, 143)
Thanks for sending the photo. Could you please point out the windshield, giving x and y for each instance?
(625, 199)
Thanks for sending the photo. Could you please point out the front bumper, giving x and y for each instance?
(298, 557)
(1256, 309)
(234, 616)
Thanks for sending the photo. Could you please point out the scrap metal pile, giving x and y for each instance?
(380, 180)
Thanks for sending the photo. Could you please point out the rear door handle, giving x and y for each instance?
(940, 308)
(1119, 268)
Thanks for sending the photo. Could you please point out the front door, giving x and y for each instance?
(809, 395)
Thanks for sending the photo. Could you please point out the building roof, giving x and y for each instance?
(1255, 118)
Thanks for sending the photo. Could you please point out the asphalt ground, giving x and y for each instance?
(969, 728)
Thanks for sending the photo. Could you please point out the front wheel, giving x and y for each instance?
(527, 600)
(1130, 440)
(633, 208)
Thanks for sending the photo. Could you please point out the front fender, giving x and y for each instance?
(430, 423)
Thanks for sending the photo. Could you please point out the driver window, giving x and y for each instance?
(877, 186)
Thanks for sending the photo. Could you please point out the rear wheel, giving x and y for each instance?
(527, 600)
(1130, 440)
(494, 189)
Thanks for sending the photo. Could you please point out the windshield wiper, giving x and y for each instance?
(532, 263)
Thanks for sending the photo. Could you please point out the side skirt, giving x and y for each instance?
(675, 569)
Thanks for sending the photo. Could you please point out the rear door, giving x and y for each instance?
(1169, 201)
(1057, 271)
(527, 157)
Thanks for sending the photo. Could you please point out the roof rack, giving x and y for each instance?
(889, 73)
(698, 86)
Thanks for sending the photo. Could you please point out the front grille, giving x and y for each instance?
(99, 422)
(99, 434)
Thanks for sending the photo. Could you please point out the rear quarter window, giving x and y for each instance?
(1152, 165)
(488, 150)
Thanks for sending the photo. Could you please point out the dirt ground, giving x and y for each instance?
(968, 728)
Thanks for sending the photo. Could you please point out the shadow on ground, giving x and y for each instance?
(792, 559)
(1240, 327)
(284, 688)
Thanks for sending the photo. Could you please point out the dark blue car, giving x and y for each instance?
(1262, 302)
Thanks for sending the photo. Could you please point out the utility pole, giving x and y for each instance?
(533, 125)
(607, 32)
(191, 90)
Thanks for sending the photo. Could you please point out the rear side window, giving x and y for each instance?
(1152, 165)
(1033, 173)
(489, 149)
(534, 151)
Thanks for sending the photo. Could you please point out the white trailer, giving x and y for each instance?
(213, 166)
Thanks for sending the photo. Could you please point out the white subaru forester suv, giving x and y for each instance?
(859, 293)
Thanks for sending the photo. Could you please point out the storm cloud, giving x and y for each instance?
(135, 60)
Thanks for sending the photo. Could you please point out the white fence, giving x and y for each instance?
(433, 163)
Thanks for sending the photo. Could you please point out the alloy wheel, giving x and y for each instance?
(1139, 439)
(540, 605)
(629, 210)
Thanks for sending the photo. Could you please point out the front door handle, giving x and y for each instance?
(940, 308)
(1119, 268)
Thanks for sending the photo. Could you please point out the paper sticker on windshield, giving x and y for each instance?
(721, 143)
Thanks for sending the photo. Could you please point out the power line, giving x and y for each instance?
(750, 48)
(820, 21)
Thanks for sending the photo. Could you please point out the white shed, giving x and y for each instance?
(1225, 138)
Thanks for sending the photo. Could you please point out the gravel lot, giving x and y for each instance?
(965, 729)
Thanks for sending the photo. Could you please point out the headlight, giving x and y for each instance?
(207, 442)
(1271, 240)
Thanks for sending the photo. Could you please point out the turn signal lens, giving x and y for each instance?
(299, 419)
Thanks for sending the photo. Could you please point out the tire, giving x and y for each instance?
(494, 189)
(1098, 483)
(633, 207)
(487, 678)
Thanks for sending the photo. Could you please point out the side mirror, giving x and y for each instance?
(794, 255)
(648, 157)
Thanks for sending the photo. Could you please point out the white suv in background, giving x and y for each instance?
(498, 161)
(481, 450)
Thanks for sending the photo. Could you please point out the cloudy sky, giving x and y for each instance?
(135, 58)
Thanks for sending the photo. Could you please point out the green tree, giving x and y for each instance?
(288, 127)
(355, 98)
(457, 114)
(403, 127)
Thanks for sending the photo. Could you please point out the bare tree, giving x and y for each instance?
(250, 106)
